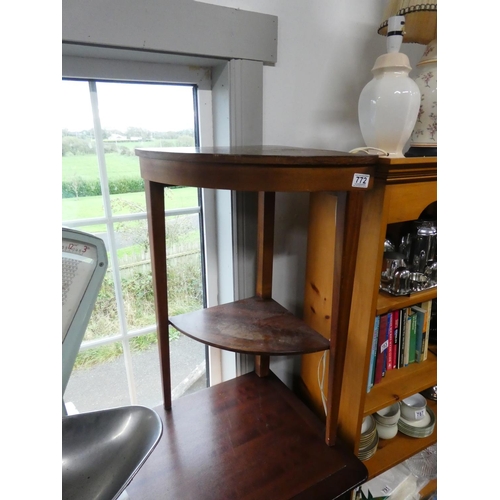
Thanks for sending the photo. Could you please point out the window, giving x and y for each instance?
(103, 193)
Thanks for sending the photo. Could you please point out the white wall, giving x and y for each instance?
(326, 49)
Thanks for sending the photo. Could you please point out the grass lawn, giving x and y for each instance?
(86, 167)
(117, 165)
(92, 206)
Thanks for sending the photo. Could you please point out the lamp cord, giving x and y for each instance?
(367, 150)
(321, 379)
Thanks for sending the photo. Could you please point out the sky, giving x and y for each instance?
(122, 105)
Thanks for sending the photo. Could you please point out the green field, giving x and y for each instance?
(118, 166)
(92, 206)
(86, 167)
(119, 163)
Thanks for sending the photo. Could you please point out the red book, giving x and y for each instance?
(395, 346)
(381, 349)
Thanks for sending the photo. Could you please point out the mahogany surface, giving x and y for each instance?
(258, 155)
(252, 326)
(255, 168)
(247, 438)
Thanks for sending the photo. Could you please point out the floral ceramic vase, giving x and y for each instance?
(423, 140)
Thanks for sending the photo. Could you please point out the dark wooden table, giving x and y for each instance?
(251, 437)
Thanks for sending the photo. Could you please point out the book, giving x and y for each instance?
(402, 341)
(390, 341)
(419, 331)
(373, 356)
(413, 336)
(386, 345)
(381, 349)
(428, 307)
(407, 336)
(395, 344)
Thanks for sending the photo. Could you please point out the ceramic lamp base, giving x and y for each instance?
(388, 105)
(424, 135)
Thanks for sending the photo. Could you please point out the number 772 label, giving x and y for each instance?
(360, 180)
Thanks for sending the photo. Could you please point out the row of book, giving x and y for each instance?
(400, 338)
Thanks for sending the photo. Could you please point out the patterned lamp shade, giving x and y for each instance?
(420, 19)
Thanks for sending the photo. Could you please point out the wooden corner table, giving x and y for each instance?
(251, 437)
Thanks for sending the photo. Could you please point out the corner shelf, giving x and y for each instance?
(251, 437)
(251, 326)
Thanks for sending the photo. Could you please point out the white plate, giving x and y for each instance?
(418, 423)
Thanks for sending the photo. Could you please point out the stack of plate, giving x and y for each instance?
(418, 428)
(369, 438)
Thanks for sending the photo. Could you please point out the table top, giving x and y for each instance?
(257, 168)
(263, 155)
(247, 438)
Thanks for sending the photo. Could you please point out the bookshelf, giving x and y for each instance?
(252, 437)
(404, 188)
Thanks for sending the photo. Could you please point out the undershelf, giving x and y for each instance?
(247, 438)
(251, 326)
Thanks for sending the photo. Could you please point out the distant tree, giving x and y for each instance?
(76, 182)
(138, 132)
(76, 146)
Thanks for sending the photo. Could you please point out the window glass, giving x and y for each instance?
(103, 193)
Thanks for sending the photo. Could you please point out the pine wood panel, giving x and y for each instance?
(387, 302)
(332, 250)
(358, 348)
(348, 229)
(319, 288)
(407, 201)
(430, 487)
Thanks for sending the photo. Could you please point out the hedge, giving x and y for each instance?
(81, 188)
